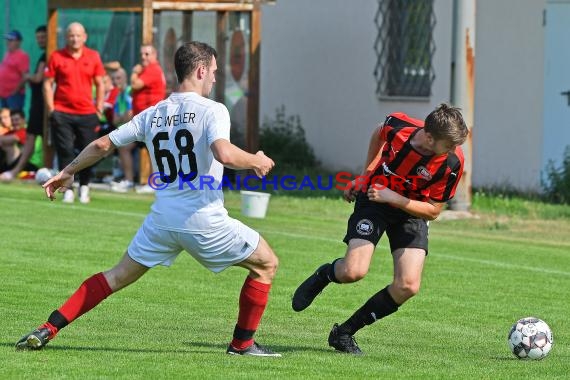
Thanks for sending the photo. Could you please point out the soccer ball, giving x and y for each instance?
(530, 338)
(44, 174)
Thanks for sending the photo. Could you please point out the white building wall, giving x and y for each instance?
(509, 76)
(318, 59)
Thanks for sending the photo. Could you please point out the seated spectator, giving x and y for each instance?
(5, 127)
(32, 150)
(5, 122)
(10, 142)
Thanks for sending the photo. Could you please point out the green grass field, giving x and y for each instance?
(481, 276)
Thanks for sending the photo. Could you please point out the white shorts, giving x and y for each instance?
(216, 250)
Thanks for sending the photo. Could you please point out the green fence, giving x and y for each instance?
(116, 35)
(25, 16)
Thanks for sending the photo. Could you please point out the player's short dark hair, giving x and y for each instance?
(18, 112)
(446, 123)
(41, 28)
(190, 56)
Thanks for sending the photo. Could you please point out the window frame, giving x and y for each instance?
(405, 49)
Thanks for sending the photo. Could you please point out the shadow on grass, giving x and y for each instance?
(106, 349)
(513, 358)
(276, 348)
(504, 358)
(192, 347)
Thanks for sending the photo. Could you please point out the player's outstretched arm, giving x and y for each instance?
(233, 157)
(88, 156)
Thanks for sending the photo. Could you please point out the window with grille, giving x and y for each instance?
(405, 48)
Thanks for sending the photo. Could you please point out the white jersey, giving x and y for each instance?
(178, 132)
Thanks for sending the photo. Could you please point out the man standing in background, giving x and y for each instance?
(73, 116)
(148, 86)
(13, 69)
(36, 115)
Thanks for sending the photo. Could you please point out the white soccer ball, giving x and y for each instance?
(43, 174)
(530, 338)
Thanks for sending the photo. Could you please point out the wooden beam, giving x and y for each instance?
(96, 4)
(219, 1)
(137, 5)
(201, 6)
(253, 98)
(51, 32)
(187, 26)
(51, 46)
(221, 38)
(147, 22)
(120, 9)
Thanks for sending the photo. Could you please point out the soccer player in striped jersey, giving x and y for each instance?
(188, 138)
(412, 169)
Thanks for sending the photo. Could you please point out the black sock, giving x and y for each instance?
(326, 272)
(57, 320)
(378, 306)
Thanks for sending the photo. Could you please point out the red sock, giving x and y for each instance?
(93, 290)
(252, 301)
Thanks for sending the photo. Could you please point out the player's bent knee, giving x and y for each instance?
(113, 280)
(351, 275)
(117, 279)
(270, 266)
(263, 262)
(407, 289)
(124, 274)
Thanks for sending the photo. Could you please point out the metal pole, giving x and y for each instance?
(463, 90)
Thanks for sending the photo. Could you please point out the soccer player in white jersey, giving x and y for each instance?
(187, 136)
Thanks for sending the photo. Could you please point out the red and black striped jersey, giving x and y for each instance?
(410, 173)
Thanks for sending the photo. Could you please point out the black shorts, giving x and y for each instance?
(370, 219)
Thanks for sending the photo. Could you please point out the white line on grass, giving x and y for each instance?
(305, 236)
(47, 203)
(439, 255)
(480, 236)
(504, 265)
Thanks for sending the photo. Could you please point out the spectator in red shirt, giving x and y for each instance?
(73, 116)
(147, 81)
(36, 114)
(11, 142)
(13, 69)
(148, 86)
